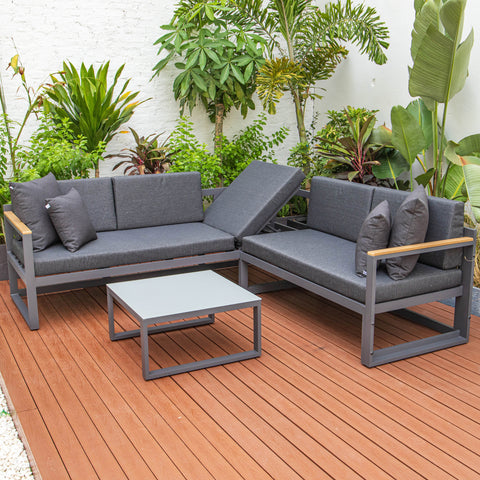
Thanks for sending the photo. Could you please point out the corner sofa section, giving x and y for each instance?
(321, 257)
(146, 224)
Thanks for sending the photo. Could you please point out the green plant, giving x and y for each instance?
(439, 71)
(55, 148)
(312, 160)
(356, 151)
(250, 144)
(305, 45)
(9, 138)
(218, 63)
(148, 155)
(189, 155)
(92, 106)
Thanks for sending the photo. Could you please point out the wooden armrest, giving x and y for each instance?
(16, 223)
(459, 242)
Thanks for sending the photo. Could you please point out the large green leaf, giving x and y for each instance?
(407, 134)
(455, 183)
(392, 165)
(419, 110)
(440, 65)
(472, 182)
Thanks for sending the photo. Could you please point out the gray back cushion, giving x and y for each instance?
(253, 198)
(445, 221)
(153, 200)
(97, 196)
(338, 207)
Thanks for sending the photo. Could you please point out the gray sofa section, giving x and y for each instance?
(131, 246)
(327, 260)
(253, 198)
(145, 224)
(321, 258)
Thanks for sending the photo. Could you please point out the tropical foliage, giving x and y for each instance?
(306, 43)
(223, 166)
(439, 71)
(218, 60)
(94, 109)
(147, 156)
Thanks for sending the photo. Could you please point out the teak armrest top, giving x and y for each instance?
(21, 228)
(420, 246)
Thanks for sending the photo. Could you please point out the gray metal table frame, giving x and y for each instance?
(179, 297)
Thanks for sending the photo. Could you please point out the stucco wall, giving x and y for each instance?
(46, 32)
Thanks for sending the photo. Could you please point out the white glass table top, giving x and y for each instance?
(180, 294)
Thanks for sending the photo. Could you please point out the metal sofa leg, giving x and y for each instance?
(29, 310)
(243, 274)
(463, 304)
(368, 335)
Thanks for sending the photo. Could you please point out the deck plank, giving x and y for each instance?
(306, 409)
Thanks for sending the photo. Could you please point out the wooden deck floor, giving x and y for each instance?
(306, 409)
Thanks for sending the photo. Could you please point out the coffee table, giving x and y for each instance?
(172, 298)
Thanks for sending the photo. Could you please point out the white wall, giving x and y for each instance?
(46, 32)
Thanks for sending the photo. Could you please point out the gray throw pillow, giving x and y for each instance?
(374, 234)
(70, 217)
(28, 203)
(410, 226)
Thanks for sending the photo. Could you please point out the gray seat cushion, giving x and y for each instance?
(338, 207)
(97, 195)
(163, 199)
(329, 261)
(253, 198)
(122, 247)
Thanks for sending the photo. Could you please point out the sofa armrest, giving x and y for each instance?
(16, 223)
(417, 248)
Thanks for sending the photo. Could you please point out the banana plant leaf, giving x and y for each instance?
(407, 134)
(419, 110)
(392, 165)
(472, 182)
(440, 60)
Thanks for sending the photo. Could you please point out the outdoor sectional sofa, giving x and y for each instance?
(155, 223)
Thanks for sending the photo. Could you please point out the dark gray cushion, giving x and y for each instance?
(253, 198)
(329, 261)
(28, 203)
(409, 226)
(374, 235)
(163, 199)
(122, 247)
(70, 219)
(338, 207)
(445, 221)
(97, 195)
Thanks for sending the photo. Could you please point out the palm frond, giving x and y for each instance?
(358, 24)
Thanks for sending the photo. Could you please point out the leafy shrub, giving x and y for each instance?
(338, 126)
(53, 148)
(188, 154)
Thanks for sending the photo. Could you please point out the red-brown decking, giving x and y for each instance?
(305, 409)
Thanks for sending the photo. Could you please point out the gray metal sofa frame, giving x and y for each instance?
(252, 200)
(447, 336)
